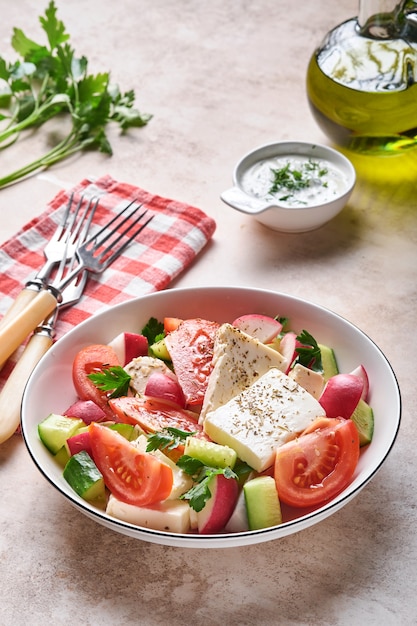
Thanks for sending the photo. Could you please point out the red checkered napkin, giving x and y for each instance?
(161, 252)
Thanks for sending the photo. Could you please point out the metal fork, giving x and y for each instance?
(91, 256)
(63, 244)
(39, 343)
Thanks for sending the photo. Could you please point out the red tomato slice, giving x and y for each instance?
(93, 359)
(191, 349)
(132, 476)
(153, 415)
(313, 468)
(171, 323)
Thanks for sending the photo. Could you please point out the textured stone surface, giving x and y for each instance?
(220, 79)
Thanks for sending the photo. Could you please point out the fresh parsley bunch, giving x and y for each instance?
(50, 80)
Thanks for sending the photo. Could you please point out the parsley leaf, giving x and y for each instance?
(309, 354)
(49, 80)
(113, 378)
(153, 330)
(167, 439)
(200, 493)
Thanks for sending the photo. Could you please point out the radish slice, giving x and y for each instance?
(341, 395)
(218, 509)
(128, 346)
(162, 386)
(261, 327)
(361, 372)
(287, 348)
(87, 410)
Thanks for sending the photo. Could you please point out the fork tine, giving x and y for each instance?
(109, 259)
(62, 223)
(97, 263)
(77, 237)
(94, 240)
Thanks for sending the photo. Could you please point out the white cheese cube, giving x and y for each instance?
(238, 360)
(263, 417)
(313, 382)
(141, 369)
(171, 516)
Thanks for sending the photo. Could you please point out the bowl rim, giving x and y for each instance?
(225, 539)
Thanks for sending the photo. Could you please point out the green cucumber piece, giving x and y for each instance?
(128, 431)
(55, 429)
(159, 350)
(62, 456)
(210, 453)
(82, 474)
(262, 503)
(328, 360)
(363, 417)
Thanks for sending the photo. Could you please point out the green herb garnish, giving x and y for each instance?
(309, 354)
(167, 439)
(288, 180)
(200, 493)
(50, 80)
(153, 330)
(113, 378)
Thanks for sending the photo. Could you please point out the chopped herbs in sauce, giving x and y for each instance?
(290, 180)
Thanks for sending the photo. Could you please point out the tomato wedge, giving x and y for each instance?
(132, 476)
(171, 323)
(93, 359)
(313, 468)
(153, 414)
(191, 349)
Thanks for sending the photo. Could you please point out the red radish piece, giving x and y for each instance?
(87, 410)
(287, 348)
(341, 395)
(261, 327)
(165, 387)
(218, 509)
(128, 346)
(361, 372)
(238, 521)
(78, 442)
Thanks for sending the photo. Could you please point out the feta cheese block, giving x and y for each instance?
(171, 516)
(263, 417)
(238, 360)
(141, 369)
(313, 382)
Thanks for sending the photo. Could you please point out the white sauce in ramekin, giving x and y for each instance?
(324, 181)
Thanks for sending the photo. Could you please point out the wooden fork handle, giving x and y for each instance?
(23, 299)
(12, 392)
(15, 331)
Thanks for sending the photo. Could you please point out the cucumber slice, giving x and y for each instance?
(209, 453)
(363, 417)
(82, 474)
(262, 503)
(128, 431)
(62, 456)
(55, 429)
(328, 360)
(159, 350)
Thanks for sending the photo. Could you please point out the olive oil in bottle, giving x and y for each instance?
(362, 81)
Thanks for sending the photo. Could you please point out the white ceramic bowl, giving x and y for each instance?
(275, 214)
(50, 389)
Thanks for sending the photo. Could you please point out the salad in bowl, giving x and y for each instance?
(212, 416)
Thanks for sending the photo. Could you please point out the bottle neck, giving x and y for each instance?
(381, 19)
